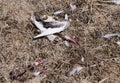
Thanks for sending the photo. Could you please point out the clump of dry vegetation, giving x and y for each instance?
(90, 22)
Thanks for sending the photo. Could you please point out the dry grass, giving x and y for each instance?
(90, 21)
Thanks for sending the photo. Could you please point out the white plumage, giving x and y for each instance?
(108, 36)
(60, 26)
(74, 70)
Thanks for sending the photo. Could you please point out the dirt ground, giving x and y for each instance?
(90, 22)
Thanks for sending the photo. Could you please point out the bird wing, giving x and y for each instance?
(38, 24)
(51, 31)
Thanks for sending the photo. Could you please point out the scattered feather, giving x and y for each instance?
(35, 74)
(74, 70)
(73, 7)
(67, 43)
(82, 59)
(118, 42)
(58, 12)
(108, 36)
(116, 1)
(110, 2)
(66, 17)
(70, 20)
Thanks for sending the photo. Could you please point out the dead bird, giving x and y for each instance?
(49, 27)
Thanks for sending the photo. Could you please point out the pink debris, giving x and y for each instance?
(43, 70)
(39, 62)
(71, 40)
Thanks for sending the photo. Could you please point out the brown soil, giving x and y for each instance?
(90, 22)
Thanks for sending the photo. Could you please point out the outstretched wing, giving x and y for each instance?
(51, 31)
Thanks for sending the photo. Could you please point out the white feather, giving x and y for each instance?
(66, 17)
(67, 37)
(36, 74)
(118, 42)
(73, 7)
(74, 70)
(67, 43)
(108, 36)
(82, 59)
(36, 63)
(58, 12)
(116, 1)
